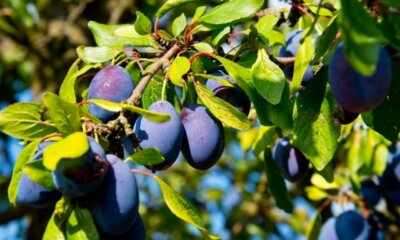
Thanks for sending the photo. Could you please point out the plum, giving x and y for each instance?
(390, 178)
(112, 83)
(292, 45)
(328, 230)
(353, 91)
(233, 95)
(351, 225)
(203, 142)
(78, 180)
(33, 194)
(370, 192)
(292, 163)
(136, 232)
(114, 205)
(347, 117)
(166, 136)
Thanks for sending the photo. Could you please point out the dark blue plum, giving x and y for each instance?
(293, 164)
(390, 179)
(136, 232)
(233, 95)
(114, 205)
(166, 136)
(78, 180)
(351, 225)
(353, 91)
(112, 83)
(347, 117)
(33, 194)
(370, 192)
(328, 231)
(203, 143)
(292, 45)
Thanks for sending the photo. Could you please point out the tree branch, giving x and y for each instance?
(134, 99)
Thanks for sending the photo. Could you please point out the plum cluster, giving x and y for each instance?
(102, 182)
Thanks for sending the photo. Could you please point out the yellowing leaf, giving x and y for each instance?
(179, 67)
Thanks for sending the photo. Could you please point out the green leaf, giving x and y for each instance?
(62, 149)
(378, 119)
(315, 194)
(80, 225)
(181, 207)
(53, 231)
(391, 3)
(326, 40)
(149, 156)
(178, 25)
(118, 36)
(117, 107)
(223, 81)
(171, 4)
(268, 78)
(96, 54)
(303, 59)
(67, 89)
(179, 67)
(65, 115)
(314, 227)
(39, 174)
(222, 110)
(24, 120)
(242, 77)
(142, 24)
(314, 127)
(264, 139)
(390, 28)
(231, 12)
(276, 183)
(26, 154)
(264, 27)
(361, 38)
(218, 36)
(203, 47)
(198, 13)
(152, 93)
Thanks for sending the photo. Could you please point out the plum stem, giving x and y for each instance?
(134, 99)
(210, 55)
(142, 172)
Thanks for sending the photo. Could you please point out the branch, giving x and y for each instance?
(283, 61)
(134, 99)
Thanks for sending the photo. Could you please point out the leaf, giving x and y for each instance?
(117, 107)
(268, 78)
(265, 25)
(276, 183)
(39, 174)
(231, 12)
(142, 24)
(70, 148)
(391, 3)
(203, 47)
(315, 194)
(178, 25)
(361, 38)
(264, 139)
(320, 182)
(378, 119)
(219, 36)
(390, 29)
(96, 54)
(315, 130)
(80, 225)
(181, 207)
(222, 110)
(152, 93)
(314, 227)
(223, 81)
(303, 59)
(146, 157)
(326, 40)
(53, 231)
(24, 120)
(198, 13)
(171, 4)
(118, 36)
(26, 154)
(179, 67)
(242, 77)
(67, 89)
(65, 115)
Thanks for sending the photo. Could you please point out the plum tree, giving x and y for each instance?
(33, 194)
(203, 142)
(351, 225)
(353, 91)
(77, 179)
(114, 205)
(292, 163)
(165, 136)
(292, 45)
(137, 232)
(105, 84)
(328, 230)
(233, 95)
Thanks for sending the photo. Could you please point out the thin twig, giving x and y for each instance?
(283, 61)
